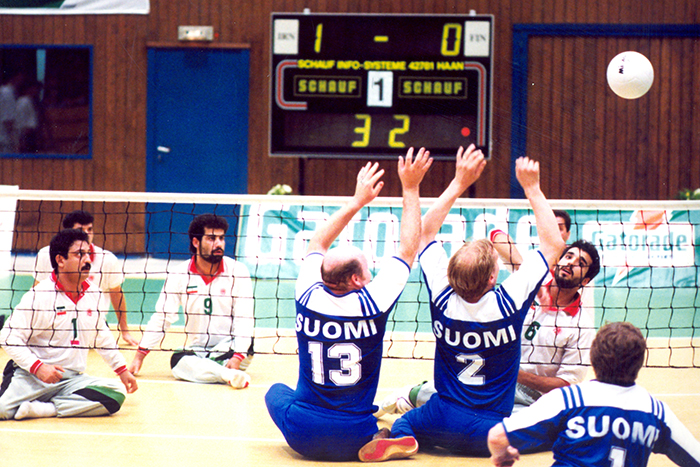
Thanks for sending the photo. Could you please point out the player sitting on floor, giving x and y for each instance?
(610, 421)
(477, 325)
(341, 315)
(48, 337)
(556, 337)
(216, 295)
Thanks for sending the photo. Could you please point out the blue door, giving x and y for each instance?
(197, 137)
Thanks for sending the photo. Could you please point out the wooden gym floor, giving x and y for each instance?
(170, 423)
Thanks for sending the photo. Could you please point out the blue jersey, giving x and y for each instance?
(477, 352)
(341, 337)
(596, 424)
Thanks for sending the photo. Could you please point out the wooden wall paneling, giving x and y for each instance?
(610, 137)
(496, 182)
(265, 172)
(625, 167)
(158, 20)
(589, 159)
(600, 156)
(115, 158)
(582, 81)
(59, 31)
(558, 131)
(679, 58)
(565, 113)
(104, 161)
(539, 141)
(616, 137)
(607, 120)
(660, 129)
(638, 150)
(223, 20)
(102, 64)
(692, 150)
(679, 166)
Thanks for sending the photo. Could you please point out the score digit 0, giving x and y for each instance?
(366, 128)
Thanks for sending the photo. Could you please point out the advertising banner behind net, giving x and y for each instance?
(650, 259)
(74, 7)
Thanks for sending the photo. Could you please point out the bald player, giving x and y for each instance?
(341, 314)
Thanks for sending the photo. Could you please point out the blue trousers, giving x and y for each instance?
(441, 423)
(315, 432)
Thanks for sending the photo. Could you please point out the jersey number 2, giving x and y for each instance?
(469, 375)
(350, 356)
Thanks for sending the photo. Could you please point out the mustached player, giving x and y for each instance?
(48, 337)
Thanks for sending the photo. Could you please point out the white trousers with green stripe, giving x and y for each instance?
(76, 395)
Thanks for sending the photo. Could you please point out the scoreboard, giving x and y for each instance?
(369, 85)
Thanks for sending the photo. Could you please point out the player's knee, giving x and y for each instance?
(7, 413)
(278, 394)
(111, 397)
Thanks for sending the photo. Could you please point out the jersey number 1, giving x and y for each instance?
(617, 456)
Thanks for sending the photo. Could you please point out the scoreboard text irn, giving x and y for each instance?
(360, 86)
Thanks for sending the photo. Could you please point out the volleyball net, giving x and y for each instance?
(650, 257)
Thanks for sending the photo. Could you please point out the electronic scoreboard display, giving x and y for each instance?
(367, 85)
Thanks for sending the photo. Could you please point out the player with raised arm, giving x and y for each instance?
(556, 337)
(48, 337)
(215, 294)
(341, 315)
(477, 325)
(610, 421)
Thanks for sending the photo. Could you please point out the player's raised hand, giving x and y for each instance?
(469, 165)
(527, 172)
(413, 169)
(368, 183)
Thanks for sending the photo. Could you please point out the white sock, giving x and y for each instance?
(237, 378)
(35, 409)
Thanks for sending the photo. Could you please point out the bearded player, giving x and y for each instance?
(216, 295)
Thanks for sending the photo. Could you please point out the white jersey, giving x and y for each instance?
(556, 342)
(595, 424)
(218, 310)
(8, 109)
(54, 327)
(106, 271)
(27, 118)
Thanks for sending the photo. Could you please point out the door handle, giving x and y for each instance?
(162, 150)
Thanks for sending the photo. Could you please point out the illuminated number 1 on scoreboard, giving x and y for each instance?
(319, 35)
(380, 89)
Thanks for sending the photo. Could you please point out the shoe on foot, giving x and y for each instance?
(237, 379)
(384, 449)
(398, 402)
(35, 409)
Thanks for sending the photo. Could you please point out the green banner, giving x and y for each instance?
(649, 259)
